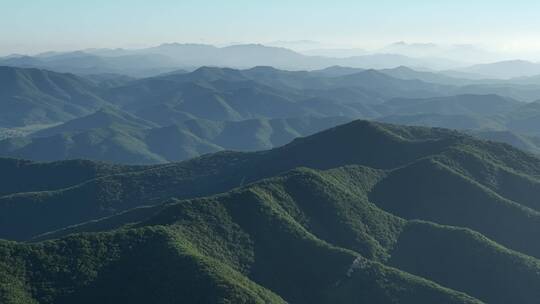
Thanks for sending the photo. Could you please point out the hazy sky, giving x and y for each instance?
(30, 26)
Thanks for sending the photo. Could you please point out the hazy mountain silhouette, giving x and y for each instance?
(259, 99)
(167, 57)
(32, 96)
(505, 69)
(115, 136)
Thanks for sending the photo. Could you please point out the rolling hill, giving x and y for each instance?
(365, 211)
(198, 112)
(116, 136)
(465, 105)
(520, 141)
(379, 146)
(32, 96)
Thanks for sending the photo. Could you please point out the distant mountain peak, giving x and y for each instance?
(264, 68)
(404, 68)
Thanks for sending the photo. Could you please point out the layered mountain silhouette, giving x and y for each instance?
(296, 171)
(182, 114)
(86, 63)
(505, 69)
(32, 96)
(116, 136)
(167, 57)
(361, 212)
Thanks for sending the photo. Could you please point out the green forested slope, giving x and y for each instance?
(32, 96)
(116, 136)
(283, 230)
(361, 212)
(248, 235)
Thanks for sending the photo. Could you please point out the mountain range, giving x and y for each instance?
(168, 57)
(361, 212)
(32, 96)
(179, 115)
(505, 69)
(254, 174)
(115, 136)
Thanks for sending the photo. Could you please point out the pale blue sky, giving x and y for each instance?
(30, 26)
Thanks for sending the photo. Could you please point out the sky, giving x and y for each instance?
(33, 26)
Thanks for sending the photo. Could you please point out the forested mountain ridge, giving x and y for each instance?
(32, 96)
(388, 195)
(177, 116)
(326, 161)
